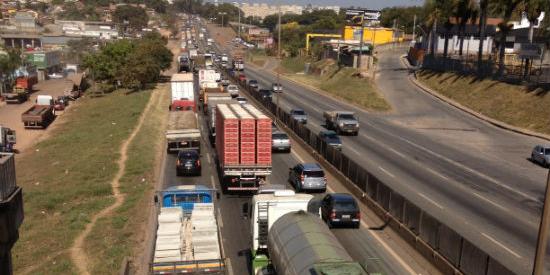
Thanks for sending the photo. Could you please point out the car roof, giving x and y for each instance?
(297, 109)
(342, 197)
(279, 132)
(188, 152)
(328, 132)
(311, 166)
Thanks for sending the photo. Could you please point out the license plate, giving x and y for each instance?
(346, 217)
(282, 148)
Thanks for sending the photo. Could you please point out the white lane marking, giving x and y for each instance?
(298, 156)
(501, 245)
(229, 267)
(208, 158)
(430, 200)
(386, 171)
(212, 181)
(383, 243)
(490, 201)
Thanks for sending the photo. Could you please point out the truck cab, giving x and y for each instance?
(342, 122)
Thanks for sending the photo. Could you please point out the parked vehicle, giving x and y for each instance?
(41, 114)
(187, 239)
(241, 100)
(331, 138)
(183, 92)
(7, 139)
(61, 102)
(263, 211)
(253, 84)
(280, 142)
(340, 209)
(307, 177)
(233, 90)
(266, 95)
(183, 132)
(277, 88)
(342, 122)
(243, 147)
(541, 155)
(299, 115)
(188, 163)
(311, 248)
(23, 85)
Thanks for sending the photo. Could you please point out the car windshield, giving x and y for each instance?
(188, 155)
(347, 116)
(232, 87)
(314, 174)
(253, 81)
(279, 136)
(345, 206)
(331, 136)
(547, 151)
(298, 112)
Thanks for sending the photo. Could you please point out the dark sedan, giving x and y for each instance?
(188, 163)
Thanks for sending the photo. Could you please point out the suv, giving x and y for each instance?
(253, 83)
(331, 138)
(188, 163)
(233, 90)
(280, 141)
(266, 95)
(541, 155)
(277, 88)
(298, 115)
(340, 209)
(308, 176)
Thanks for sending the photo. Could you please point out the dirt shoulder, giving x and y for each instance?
(512, 104)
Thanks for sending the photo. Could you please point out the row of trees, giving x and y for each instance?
(132, 63)
(209, 10)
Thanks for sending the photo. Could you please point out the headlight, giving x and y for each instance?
(341, 124)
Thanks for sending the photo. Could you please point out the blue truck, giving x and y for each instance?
(187, 237)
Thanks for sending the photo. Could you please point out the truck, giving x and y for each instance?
(26, 78)
(211, 113)
(187, 239)
(182, 132)
(7, 139)
(41, 114)
(263, 211)
(184, 63)
(342, 122)
(193, 53)
(208, 61)
(243, 147)
(311, 248)
(238, 64)
(183, 92)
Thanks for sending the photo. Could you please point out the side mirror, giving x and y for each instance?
(218, 195)
(245, 210)
(156, 199)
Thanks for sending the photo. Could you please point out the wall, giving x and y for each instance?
(378, 35)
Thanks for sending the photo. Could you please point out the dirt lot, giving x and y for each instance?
(10, 114)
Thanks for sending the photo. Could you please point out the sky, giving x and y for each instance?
(369, 4)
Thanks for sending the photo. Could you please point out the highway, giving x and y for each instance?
(468, 174)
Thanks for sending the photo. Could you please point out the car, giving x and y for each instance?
(299, 115)
(242, 78)
(307, 177)
(233, 90)
(61, 102)
(225, 82)
(340, 209)
(56, 75)
(277, 88)
(331, 138)
(280, 142)
(253, 83)
(265, 94)
(188, 163)
(541, 155)
(241, 100)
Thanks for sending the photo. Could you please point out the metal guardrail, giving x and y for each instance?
(439, 243)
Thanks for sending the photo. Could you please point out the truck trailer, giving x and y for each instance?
(187, 239)
(183, 92)
(183, 132)
(243, 147)
(41, 114)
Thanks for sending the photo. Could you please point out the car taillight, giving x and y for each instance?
(178, 162)
(198, 162)
(358, 215)
(302, 177)
(333, 215)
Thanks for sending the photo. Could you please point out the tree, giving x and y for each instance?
(154, 45)
(483, 7)
(108, 62)
(10, 60)
(464, 11)
(506, 9)
(73, 12)
(79, 48)
(158, 5)
(403, 15)
(132, 17)
(533, 9)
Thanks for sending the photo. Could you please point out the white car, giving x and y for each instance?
(241, 100)
(233, 90)
(56, 76)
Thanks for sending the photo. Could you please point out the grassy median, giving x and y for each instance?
(513, 104)
(122, 233)
(66, 179)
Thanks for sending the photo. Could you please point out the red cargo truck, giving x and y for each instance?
(243, 168)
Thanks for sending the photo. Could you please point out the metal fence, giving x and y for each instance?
(439, 243)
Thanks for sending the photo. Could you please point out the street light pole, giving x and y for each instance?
(279, 58)
(361, 41)
(542, 240)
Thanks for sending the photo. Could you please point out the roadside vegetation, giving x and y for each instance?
(342, 82)
(258, 57)
(66, 179)
(512, 104)
(121, 234)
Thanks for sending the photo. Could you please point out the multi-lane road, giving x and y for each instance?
(469, 174)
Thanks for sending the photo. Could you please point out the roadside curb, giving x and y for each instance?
(444, 99)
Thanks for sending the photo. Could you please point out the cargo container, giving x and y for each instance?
(182, 132)
(247, 135)
(263, 135)
(41, 114)
(213, 93)
(183, 92)
(237, 176)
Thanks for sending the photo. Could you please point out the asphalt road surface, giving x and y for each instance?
(470, 175)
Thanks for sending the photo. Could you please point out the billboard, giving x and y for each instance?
(358, 17)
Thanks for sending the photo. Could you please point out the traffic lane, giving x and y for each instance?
(474, 203)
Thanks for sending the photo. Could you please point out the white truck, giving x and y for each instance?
(264, 210)
(213, 101)
(182, 132)
(342, 122)
(188, 239)
(183, 92)
(208, 61)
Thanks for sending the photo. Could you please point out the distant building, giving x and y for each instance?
(100, 30)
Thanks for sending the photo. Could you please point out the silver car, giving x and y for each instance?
(280, 142)
(233, 90)
(307, 177)
(299, 115)
(541, 155)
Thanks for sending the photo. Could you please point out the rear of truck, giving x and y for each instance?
(182, 132)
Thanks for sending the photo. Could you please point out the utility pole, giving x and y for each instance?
(542, 240)
(361, 40)
(414, 28)
(279, 58)
(222, 14)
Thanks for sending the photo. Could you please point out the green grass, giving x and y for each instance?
(293, 65)
(341, 83)
(66, 177)
(513, 104)
(121, 234)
